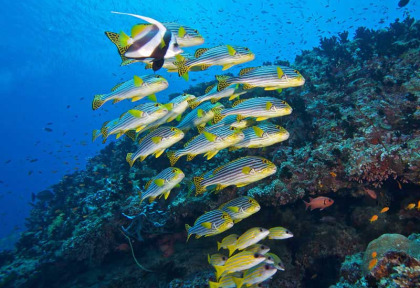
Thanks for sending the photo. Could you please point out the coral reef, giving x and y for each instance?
(355, 126)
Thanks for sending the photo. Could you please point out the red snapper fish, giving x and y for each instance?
(319, 202)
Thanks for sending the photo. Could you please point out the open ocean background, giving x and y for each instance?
(55, 58)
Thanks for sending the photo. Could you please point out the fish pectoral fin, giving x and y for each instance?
(270, 88)
(156, 139)
(237, 220)
(258, 131)
(210, 136)
(134, 99)
(137, 81)
(206, 225)
(166, 194)
(241, 185)
(151, 199)
(233, 208)
(211, 154)
(159, 182)
(138, 129)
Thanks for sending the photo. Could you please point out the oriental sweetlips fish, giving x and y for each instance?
(241, 208)
(155, 143)
(268, 77)
(261, 108)
(154, 42)
(209, 143)
(162, 184)
(263, 135)
(211, 223)
(223, 55)
(199, 116)
(213, 95)
(239, 172)
(134, 119)
(135, 89)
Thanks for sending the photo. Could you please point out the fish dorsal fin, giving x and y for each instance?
(137, 29)
(117, 86)
(137, 81)
(181, 32)
(268, 105)
(200, 52)
(210, 136)
(208, 89)
(258, 131)
(246, 70)
(231, 50)
(189, 141)
(237, 102)
(279, 72)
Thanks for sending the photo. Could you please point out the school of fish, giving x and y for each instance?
(246, 123)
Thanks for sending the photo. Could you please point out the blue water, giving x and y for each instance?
(55, 57)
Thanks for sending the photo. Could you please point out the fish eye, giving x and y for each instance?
(256, 255)
(176, 44)
(261, 230)
(174, 170)
(247, 49)
(265, 161)
(173, 129)
(196, 31)
(288, 232)
(283, 102)
(157, 105)
(267, 267)
(157, 76)
(224, 258)
(250, 201)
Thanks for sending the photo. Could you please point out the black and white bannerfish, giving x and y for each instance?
(134, 89)
(199, 116)
(261, 108)
(213, 95)
(223, 55)
(133, 120)
(162, 184)
(154, 42)
(262, 135)
(209, 143)
(269, 77)
(155, 143)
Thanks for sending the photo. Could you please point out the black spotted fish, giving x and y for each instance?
(134, 89)
(262, 135)
(239, 172)
(223, 55)
(162, 184)
(261, 108)
(210, 223)
(155, 143)
(134, 119)
(268, 77)
(207, 143)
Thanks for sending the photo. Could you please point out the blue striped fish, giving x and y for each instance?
(224, 282)
(239, 172)
(153, 42)
(239, 262)
(258, 248)
(261, 108)
(213, 95)
(228, 240)
(279, 233)
(155, 143)
(272, 258)
(134, 119)
(178, 106)
(262, 135)
(199, 116)
(223, 55)
(241, 208)
(217, 259)
(207, 143)
(162, 184)
(268, 77)
(250, 237)
(135, 89)
(209, 224)
(256, 274)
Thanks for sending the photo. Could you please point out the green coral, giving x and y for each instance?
(58, 221)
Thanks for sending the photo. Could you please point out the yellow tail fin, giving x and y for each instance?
(219, 271)
(238, 282)
(104, 130)
(214, 284)
(187, 227)
(219, 245)
(231, 249)
(97, 101)
(199, 189)
(173, 158)
(222, 82)
(95, 134)
(182, 69)
(129, 159)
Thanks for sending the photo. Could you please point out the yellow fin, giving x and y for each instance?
(137, 29)
(152, 97)
(200, 52)
(137, 81)
(258, 131)
(261, 118)
(219, 271)
(239, 282)
(211, 154)
(173, 158)
(270, 88)
(279, 72)
(129, 159)
(268, 105)
(97, 101)
(208, 89)
(279, 90)
(234, 209)
(181, 32)
(136, 113)
(119, 134)
(166, 194)
(187, 227)
(117, 86)
(227, 66)
(200, 128)
(247, 86)
(156, 140)
(140, 128)
(134, 99)
(190, 157)
(124, 39)
(162, 43)
(210, 136)
(178, 118)
(231, 249)
(151, 199)
(169, 107)
(200, 113)
(239, 117)
(131, 134)
(159, 152)
(246, 70)
(222, 82)
(237, 102)
(116, 101)
(159, 182)
(241, 185)
(231, 51)
(206, 225)
(246, 170)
